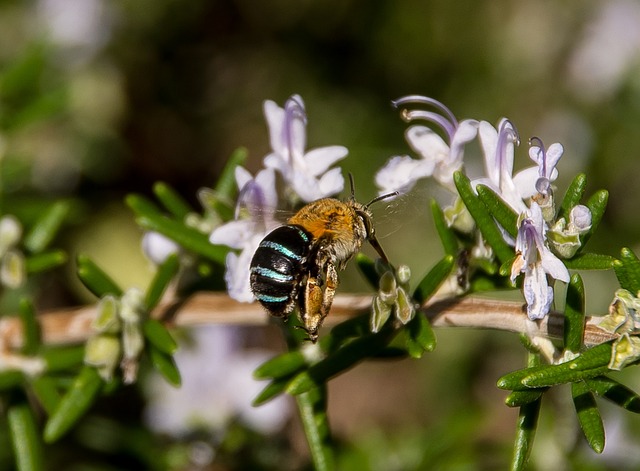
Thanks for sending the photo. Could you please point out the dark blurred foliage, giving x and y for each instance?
(99, 99)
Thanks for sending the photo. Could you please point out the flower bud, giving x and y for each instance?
(580, 219)
(404, 307)
(380, 314)
(403, 273)
(103, 352)
(13, 272)
(387, 291)
(107, 320)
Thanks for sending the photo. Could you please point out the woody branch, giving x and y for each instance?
(73, 325)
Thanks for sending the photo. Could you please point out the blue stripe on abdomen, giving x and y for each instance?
(265, 298)
(280, 249)
(271, 274)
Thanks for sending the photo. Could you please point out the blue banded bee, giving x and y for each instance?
(296, 265)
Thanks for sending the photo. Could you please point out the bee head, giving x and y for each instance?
(363, 212)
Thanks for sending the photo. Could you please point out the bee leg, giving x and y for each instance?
(318, 297)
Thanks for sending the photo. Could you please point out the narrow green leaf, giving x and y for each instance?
(574, 315)
(226, 186)
(354, 327)
(189, 238)
(164, 275)
(501, 211)
(30, 327)
(597, 204)
(46, 392)
(45, 261)
(615, 392)
(96, 280)
(432, 280)
(525, 434)
(483, 218)
(165, 365)
(9, 379)
(588, 415)
(312, 406)
(368, 269)
(171, 200)
(520, 398)
(25, 439)
(420, 335)
(73, 405)
(159, 336)
(282, 365)
(587, 365)
(46, 228)
(590, 261)
(573, 195)
(341, 360)
(62, 358)
(273, 389)
(627, 270)
(446, 234)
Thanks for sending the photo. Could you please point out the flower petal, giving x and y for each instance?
(234, 234)
(537, 293)
(401, 173)
(525, 181)
(429, 145)
(318, 160)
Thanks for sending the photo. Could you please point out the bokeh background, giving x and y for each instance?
(99, 99)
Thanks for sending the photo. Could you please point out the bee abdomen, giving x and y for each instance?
(277, 268)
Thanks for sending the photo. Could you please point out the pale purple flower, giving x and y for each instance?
(546, 160)
(536, 261)
(258, 196)
(217, 387)
(157, 247)
(439, 158)
(306, 173)
(498, 146)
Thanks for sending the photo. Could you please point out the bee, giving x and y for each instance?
(296, 265)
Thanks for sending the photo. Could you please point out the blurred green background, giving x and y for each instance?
(102, 98)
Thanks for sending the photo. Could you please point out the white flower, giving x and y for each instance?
(439, 158)
(257, 195)
(157, 247)
(217, 387)
(546, 160)
(307, 173)
(536, 261)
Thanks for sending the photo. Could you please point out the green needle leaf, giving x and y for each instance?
(161, 280)
(597, 204)
(280, 366)
(46, 228)
(501, 211)
(273, 389)
(520, 398)
(591, 363)
(96, 280)
(573, 195)
(191, 239)
(226, 186)
(447, 236)
(171, 200)
(339, 361)
(165, 365)
(25, 438)
(45, 261)
(484, 219)
(62, 358)
(574, 315)
(420, 336)
(588, 415)
(9, 379)
(615, 392)
(432, 281)
(30, 327)
(73, 405)
(159, 336)
(590, 261)
(313, 414)
(525, 434)
(628, 270)
(45, 390)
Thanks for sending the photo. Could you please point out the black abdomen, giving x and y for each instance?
(277, 268)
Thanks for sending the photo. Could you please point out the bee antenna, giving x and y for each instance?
(353, 186)
(381, 197)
